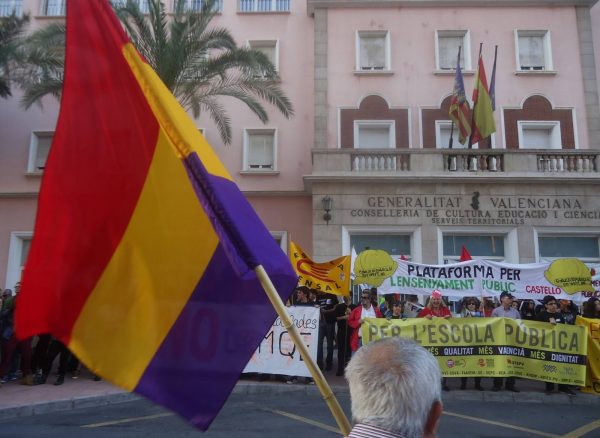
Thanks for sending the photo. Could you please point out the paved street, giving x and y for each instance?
(301, 415)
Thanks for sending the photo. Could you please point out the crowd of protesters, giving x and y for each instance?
(340, 316)
(30, 360)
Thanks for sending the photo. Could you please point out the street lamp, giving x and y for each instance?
(327, 202)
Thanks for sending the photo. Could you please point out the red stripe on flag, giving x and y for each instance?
(81, 204)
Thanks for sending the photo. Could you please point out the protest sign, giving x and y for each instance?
(277, 353)
(494, 347)
(328, 277)
(562, 278)
(592, 378)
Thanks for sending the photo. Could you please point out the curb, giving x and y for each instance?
(244, 388)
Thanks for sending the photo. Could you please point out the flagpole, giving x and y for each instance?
(324, 388)
(493, 81)
(451, 141)
(475, 103)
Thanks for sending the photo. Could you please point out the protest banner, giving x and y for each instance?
(277, 354)
(592, 378)
(329, 277)
(562, 278)
(494, 347)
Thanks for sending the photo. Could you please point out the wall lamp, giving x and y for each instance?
(327, 206)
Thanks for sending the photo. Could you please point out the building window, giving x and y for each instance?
(585, 248)
(447, 43)
(394, 244)
(196, 5)
(539, 135)
(18, 250)
(142, 4)
(9, 7)
(372, 50)
(486, 246)
(38, 150)
(260, 146)
(264, 5)
(269, 47)
(54, 8)
(533, 50)
(370, 134)
(281, 239)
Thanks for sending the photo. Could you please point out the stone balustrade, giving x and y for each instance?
(496, 161)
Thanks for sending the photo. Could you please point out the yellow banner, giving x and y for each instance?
(329, 277)
(494, 347)
(592, 378)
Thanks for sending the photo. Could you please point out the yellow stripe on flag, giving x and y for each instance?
(129, 322)
(183, 134)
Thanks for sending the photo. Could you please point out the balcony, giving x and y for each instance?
(454, 164)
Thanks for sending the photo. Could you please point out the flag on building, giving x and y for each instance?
(483, 115)
(460, 111)
(493, 81)
(353, 256)
(329, 277)
(464, 254)
(143, 255)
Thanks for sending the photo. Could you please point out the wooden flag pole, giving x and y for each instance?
(287, 322)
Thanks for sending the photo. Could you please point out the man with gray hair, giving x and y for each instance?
(395, 390)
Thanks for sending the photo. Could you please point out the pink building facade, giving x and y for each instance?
(370, 82)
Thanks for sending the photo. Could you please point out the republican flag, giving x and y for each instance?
(459, 106)
(483, 115)
(144, 250)
(328, 277)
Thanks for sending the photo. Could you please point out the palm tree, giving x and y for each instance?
(11, 28)
(197, 63)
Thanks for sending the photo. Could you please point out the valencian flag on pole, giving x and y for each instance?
(330, 277)
(144, 248)
(483, 116)
(459, 106)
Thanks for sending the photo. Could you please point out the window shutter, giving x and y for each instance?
(448, 49)
(260, 151)
(531, 52)
(372, 52)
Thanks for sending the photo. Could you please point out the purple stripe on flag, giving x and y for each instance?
(244, 237)
(200, 360)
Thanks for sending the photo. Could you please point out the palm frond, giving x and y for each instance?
(197, 62)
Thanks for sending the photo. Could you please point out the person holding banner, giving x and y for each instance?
(471, 309)
(552, 315)
(505, 310)
(436, 308)
(358, 315)
(591, 308)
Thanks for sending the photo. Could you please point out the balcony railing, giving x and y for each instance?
(8, 7)
(264, 5)
(457, 161)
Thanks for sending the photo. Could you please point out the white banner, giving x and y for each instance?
(277, 353)
(562, 278)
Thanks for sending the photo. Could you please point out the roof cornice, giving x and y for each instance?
(314, 4)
